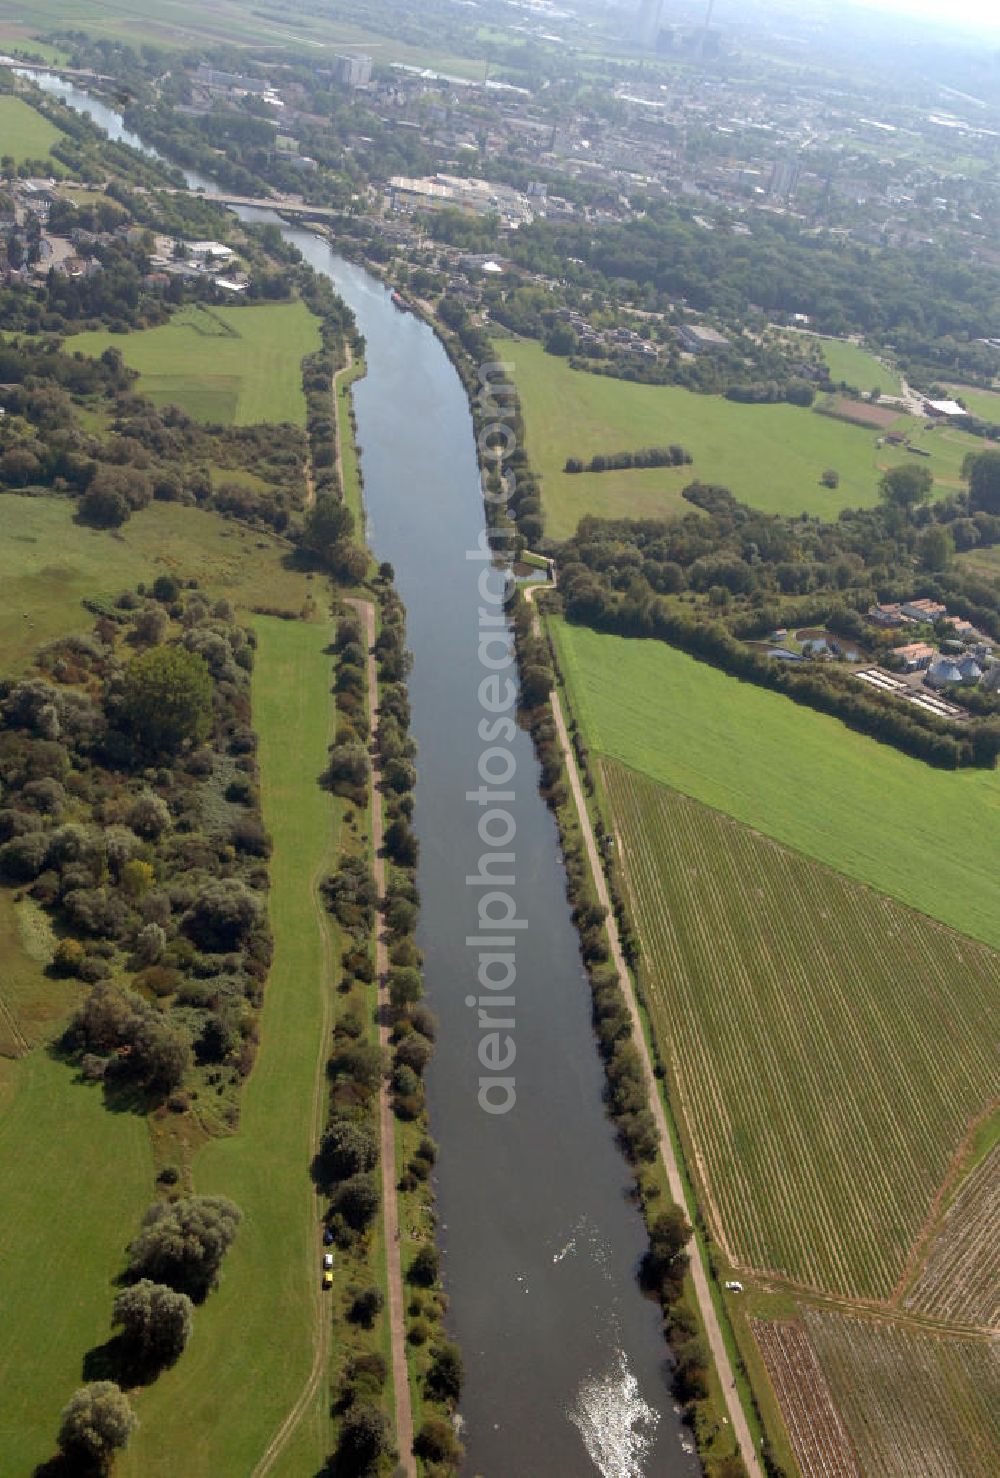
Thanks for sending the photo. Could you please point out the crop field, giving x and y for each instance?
(253, 1345)
(960, 1280)
(827, 1049)
(49, 564)
(852, 365)
(237, 366)
(815, 1430)
(25, 134)
(912, 1403)
(771, 456)
(925, 836)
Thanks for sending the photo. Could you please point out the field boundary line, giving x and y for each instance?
(699, 1275)
(387, 1131)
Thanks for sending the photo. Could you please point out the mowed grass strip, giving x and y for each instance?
(252, 1349)
(49, 563)
(76, 1180)
(770, 456)
(912, 1403)
(926, 837)
(828, 1048)
(237, 366)
(24, 133)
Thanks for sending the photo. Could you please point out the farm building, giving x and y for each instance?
(945, 410)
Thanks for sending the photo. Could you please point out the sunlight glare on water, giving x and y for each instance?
(616, 1424)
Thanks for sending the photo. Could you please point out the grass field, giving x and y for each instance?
(771, 456)
(854, 366)
(827, 1049)
(912, 1403)
(76, 1180)
(238, 366)
(985, 562)
(924, 836)
(49, 563)
(984, 403)
(252, 1349)
(25, 134)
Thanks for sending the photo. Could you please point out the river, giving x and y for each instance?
(566, 1368)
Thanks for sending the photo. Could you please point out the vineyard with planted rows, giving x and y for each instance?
(825, 1047)
(912, 1403)
(815, 1429)
(960, 1280)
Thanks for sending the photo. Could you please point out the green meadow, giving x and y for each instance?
(771, 456)
(238, 366)
(852, 365)
(984, 403)
(252, 1348)
(49, 564)
(926, 837)
(25, 134)
(76, 1180)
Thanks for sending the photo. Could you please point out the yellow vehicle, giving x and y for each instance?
(327, 1279)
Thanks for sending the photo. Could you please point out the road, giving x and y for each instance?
(699, 1275)
(387, 1127)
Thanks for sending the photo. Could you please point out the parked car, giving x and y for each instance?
(733, 1286)
(327, 1237)
(328, 1259)
(328, 1279)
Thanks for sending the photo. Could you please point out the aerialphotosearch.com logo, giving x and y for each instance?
(499, 927)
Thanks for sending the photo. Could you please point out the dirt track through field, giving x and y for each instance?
(699, 1276)
(387, 1128)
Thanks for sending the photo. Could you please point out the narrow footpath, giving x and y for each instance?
(387, 1126)
(699, 1276)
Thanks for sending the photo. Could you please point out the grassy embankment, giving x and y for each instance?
(25, 134)
(253, 1348)
(984, 403)
(237, 366)
(926, 837)
(770, 456)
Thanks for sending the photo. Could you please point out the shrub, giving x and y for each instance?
(68, 957)
(167, 699)
(223, 915)
(424, 1268)
(436, 1442)
(446, 1374)
(155, 1324)
(183, 1243)
(366, 1307)
(96, 1423)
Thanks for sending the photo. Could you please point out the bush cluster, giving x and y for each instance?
(130, 812)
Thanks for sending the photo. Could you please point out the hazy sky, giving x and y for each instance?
(970, 14)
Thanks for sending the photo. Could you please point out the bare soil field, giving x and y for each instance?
(817, 1434)
(861, 412)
